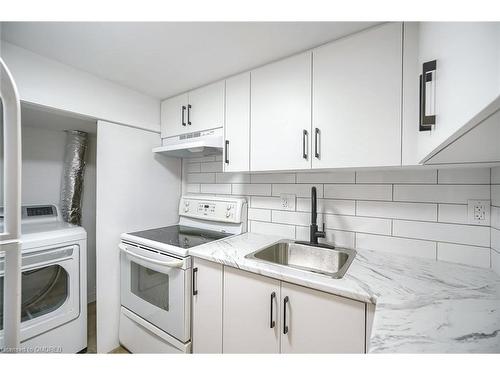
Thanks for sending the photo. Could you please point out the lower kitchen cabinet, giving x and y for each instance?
(236, 311)
(251, 313)
(207, 306)
(318, 322)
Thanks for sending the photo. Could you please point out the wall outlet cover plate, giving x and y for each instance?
(478, 212)
(287, 202)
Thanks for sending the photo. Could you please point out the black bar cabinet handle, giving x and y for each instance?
(285, 327)
(316, 146)
(195, 271)
(189, 114)
(183, 112)
(273, 323)
(425, 121)
(304, 136)
(226, 150)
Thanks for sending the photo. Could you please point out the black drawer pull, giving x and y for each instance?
(272, 322)
(195, 279)
(285, 327)
(182, 116)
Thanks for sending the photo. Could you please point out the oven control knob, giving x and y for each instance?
(228, 207)
(186, 203)
(186, 209)
(228, 214)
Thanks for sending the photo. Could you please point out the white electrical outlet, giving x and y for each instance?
(287, 201)
(478, 212)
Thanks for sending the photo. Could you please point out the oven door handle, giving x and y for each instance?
(174, 264)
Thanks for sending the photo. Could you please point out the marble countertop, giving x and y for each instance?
(421, 305)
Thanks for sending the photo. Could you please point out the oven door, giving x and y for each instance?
(50, 294)
(156, 287)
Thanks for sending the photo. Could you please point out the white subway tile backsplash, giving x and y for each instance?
(453, 213)
(397, 210)
(455, 233)
(192, 188)
(358, 224)
(325, 177)
(259, 214)
(215, 166)
(495, 239)
(410, 176)
(292, 217)
(232, 178)
(286, 231)
(396, 245)
(495, 195)
(273, 203)
(206, 178)
(252, 189)
(495, 261)
(328, 206)
(495, 175)
(201, 159)
(495, 217)
(300, 190)
(365, 192)
(335, 237)
(273, 178)
(464, 176)
(215, 188)
(440, 193)
(193, 167)
(418, 212)
(469, 255)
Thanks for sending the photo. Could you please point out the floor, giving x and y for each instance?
(91, 332)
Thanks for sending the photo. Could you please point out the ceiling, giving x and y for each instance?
(162, 59)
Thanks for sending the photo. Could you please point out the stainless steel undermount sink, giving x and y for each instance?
(318, 258)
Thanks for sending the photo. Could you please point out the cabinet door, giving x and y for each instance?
(207, 306)
(281, 115)
(237, 126)
(248, 301)
(174, 116)
(319, 322)
(467, 74)
(357, 100)
(206, 107)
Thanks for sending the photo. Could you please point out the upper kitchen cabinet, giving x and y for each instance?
(197, 110)
(206, 107)
(281, 115)
(460, 65)
(173, 116)
(356, 112)
(237, 126)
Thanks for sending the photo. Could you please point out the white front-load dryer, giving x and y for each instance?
(53, 282)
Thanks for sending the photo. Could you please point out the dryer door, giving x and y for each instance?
(50, 289)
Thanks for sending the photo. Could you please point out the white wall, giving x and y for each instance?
(419, 213)
(43, 157)
(136, 190)
(47, 82)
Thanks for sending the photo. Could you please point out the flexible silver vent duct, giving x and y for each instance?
(72, 177)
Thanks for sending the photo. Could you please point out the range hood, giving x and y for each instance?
(192, 145)
(478, 141)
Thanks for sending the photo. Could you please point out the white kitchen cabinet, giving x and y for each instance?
(319, 322)
(251, 304)
(281, 115)
(466, 79)
(207, 306)
(173, 116)
(357, 84)
(200, 109)
(314, 322)
(206, 107)
(237, 124)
